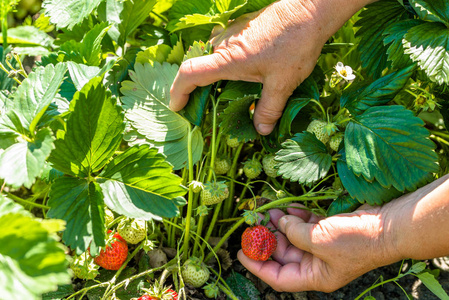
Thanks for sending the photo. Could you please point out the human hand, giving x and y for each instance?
(320, 254)
(277, 46)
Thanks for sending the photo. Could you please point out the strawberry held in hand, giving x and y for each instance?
(114, 255)
(258, 242)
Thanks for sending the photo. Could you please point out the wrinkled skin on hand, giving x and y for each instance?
(324, 254)
(267, 46)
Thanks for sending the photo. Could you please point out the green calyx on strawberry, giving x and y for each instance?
(195, 272)
(250, 217)
(320, 129)
(214, 192)
(83, 267)
(211, 290)
(269, 165)
(232, 142)
(252, 168)
(335, 141)
(258, 242)
(114, 254)
(132, 231)
(222, 165)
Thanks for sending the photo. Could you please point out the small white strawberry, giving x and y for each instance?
(252, 168)
(84, 267)
(232, 142)
(317, 127)
(132, 230)
(269, 165)
(222, 165)
(335, 141)
(195, 272)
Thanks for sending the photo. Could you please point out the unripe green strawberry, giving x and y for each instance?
(83, 267)
(258, 242)
(318, 128)
(132, 230)
(197, 186)
(214, 192)
(335, 141)
(222, 165)
(252, 168)
(269, 165)
(114, 254)
(211, 291)
(232, 142)
(108, 216)
(195, 272)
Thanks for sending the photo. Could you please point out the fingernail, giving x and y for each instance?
(282, 223)
(264, 129)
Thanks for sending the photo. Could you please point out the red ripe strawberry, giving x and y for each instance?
(258, 242)
(114, 255)
(148, 297)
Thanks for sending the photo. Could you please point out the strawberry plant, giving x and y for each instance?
(88, 143)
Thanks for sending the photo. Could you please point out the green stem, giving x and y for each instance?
(5, 31)
(376, 285)
(190, 198)
(212, 224)
(26, 202)
(321, 107)
(230, 201)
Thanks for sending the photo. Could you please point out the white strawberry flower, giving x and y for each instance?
(344, 71)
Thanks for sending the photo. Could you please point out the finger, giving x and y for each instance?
(289, 278)
(194, 72)
(297, 231)
(300, 210)
(270, 106)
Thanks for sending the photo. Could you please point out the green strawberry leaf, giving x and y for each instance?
(126, 17)
(389, 144)
(242, 287)
(119, 71)
(429, 280)
(204, 12)
(80, 204)
(68, 13)
(372, 23)
(364, 191)
(151, 121)
(81, 74)
(8, 206)
(236, 120)
(393, 37)
(88, 50)
(235, 90)
(197, 105)
(93, 132)
(29, 40)
(60, 294)
(198, 49)
(22, 162)
(303, 158)
(428, 45)
(294, 106)
(381, 91)
(157, 53)
(343, 204)
(32, 261)
(35, 94)
(433, 11)
(139, 183)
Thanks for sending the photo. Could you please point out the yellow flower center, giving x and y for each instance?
(343, 72)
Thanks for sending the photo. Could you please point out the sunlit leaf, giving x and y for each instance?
(80, 204)
(146, 100)
(381, 91)
(390, 144)
(32, 262)
(140, 184)
(93, 132)
(433, 11)
(303, 158)
(428, 45)
(68, 13)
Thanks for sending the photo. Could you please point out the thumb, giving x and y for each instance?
(269, 108)
(297, 231)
